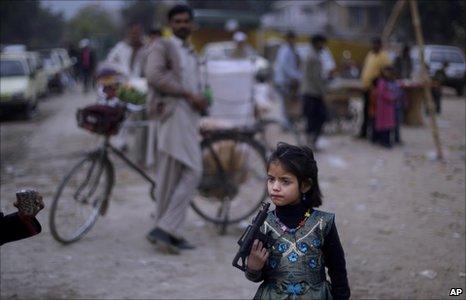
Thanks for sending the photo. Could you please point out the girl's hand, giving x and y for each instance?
(257, 257)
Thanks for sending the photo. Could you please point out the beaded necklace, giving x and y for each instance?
(286, 229)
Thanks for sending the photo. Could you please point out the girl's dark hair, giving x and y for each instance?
(179, 9)
(300, 162)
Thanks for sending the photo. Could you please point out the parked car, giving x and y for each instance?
(37, 67)
(34, 63)
(435, 56)
(55, 65)
(18, 88)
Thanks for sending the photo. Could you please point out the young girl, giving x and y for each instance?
(307, 241)
(388, 95)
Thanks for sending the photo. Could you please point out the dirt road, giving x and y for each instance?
(400, 215)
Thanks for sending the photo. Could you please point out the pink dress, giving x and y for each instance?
(385, 107)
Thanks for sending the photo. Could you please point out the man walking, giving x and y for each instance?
(313, 89)
(173, 76)
(286, 73)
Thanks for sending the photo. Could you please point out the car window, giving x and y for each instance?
(12, 68)
(437, 56)
(454, 57)
(446, 56)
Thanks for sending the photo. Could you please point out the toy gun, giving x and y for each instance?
(250, 234)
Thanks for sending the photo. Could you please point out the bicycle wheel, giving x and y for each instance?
(274, 131)
(233, 181)
(79, 198)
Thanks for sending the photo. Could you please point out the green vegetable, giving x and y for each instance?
(131, 95)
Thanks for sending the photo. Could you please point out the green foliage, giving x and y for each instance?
(141, 11)
(95, 23)
(131, 95)
(443, 22)
(92, 22)
(26, 22)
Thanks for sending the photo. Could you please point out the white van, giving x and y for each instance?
(435, 56)
(18, 88)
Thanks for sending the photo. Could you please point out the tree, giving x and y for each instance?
(90, 22)
(140, 11)
(48, 30)
(95, 23)
(443, 22)
(26, 22)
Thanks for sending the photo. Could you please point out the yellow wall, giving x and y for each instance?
(257, 38)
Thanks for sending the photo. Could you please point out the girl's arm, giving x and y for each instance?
(335, 262)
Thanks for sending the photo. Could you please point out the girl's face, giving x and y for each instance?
(283, 186)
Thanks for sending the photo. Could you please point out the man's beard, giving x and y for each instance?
(183, 33)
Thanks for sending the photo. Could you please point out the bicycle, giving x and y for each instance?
(230, 180)
(89, 183)
(233, 182)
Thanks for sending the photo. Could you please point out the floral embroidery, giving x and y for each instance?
(313, 263)
(303, 247)
(316, 243)
(282, 247)
(273, 263)
(293, 257)
(294, 288)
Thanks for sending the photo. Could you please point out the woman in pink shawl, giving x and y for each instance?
(387, 93)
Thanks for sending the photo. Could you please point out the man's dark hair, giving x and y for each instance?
(179, 9)
(132, 24)
(318, 38)
(377, 41)
(300, 162)
(290, 34)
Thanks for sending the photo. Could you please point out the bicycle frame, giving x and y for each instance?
(108, 147)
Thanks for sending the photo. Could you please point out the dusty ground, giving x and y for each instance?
(399, 214)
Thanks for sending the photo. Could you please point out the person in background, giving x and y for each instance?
(329, 67)
(127, 54)
(403, 64)
(375, 60)
(154, 34)
(438, 80)
(242, 48)
(20, 225)
(174, 80)
(73, 53)
(386, 94)
(87, 64)
(313, 87)
(287, 74)
(349, 66)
